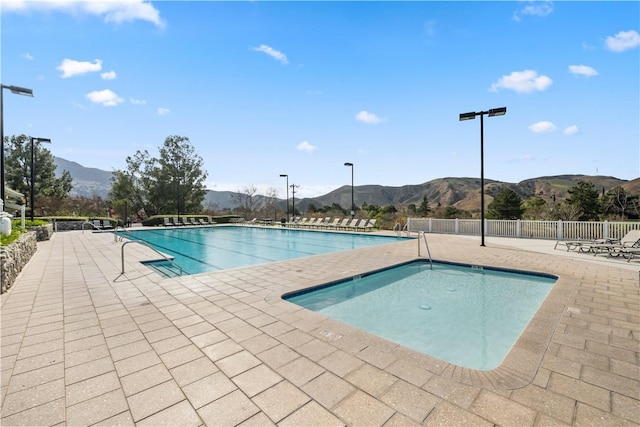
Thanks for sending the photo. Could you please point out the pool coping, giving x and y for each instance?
(327, 373)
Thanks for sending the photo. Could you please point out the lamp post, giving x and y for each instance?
(33, 171)
(470, 116)
(284, 175)
(18, 91)
(353, 206)
(293, 199)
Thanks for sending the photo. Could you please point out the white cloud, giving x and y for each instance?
(571, 130)
(622, 41)
(583, 70)
(522, 82)
(275, 54)
(27, 56)
(163, 111)
(430, 27)
(105, 97)
(137, 101)
(109, 75)
(368, 118)
(523, 158)
(305, 146)
(71, 67)
(543, 126)
(116, 11)
(534, 9)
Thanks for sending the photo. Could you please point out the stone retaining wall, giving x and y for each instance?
(14, 257)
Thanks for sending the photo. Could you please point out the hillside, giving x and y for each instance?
(463, 193)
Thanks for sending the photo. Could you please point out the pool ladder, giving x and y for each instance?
(424, 237)
(165, 257)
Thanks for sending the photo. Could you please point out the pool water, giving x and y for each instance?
(468, 316)
(204, 249)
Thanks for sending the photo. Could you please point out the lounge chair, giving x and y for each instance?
(334, 224)
(192, 221)
(203, 221)
(311, 223)
(167, 222)
(353, 224)
(342, 225)
(177, 221)
(371, 225)
(631, 240)
(96, 224)
(362, 224)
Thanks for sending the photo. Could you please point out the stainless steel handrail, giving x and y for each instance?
(424, 237)
(150, 247)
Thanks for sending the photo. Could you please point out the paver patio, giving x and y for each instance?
(83, 344)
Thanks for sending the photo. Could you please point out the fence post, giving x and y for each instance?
(456, 227)
(559, 230)
(605, 230)
(430, 224)
(518, 229)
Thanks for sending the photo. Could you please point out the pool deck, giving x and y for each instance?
(83, 344)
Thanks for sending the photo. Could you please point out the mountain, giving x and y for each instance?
(463, 193)
(87, 182)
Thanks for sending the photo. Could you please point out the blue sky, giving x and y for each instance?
(300, 88)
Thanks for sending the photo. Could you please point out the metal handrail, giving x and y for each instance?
(424, 237)
(150, 247)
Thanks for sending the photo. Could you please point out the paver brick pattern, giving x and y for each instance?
(83, 344)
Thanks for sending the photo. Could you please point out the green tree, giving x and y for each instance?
(584, 196)
(173, 183)
(534, 208)
(424, 207)
(506, 205)
(18, 171)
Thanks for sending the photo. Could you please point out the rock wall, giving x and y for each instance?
(14, 257)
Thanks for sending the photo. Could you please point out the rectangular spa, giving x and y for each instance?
(468, 316)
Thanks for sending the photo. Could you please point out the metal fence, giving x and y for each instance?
(552, 230)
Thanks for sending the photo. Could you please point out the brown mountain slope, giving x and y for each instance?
(464, 193)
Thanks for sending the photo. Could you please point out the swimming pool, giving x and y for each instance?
(468, 316)
(203, 249)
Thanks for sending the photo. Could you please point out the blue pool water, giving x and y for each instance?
(467, 316)
(203, 249)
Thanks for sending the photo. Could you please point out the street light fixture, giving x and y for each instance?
(33, 171)
(470, 116)
(284, 175)
(18, 91)
(353, 206)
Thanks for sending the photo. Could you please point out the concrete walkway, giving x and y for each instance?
(83, 344)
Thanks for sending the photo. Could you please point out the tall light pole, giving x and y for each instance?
(470, 116)
(33, 171)
(353, 206)
(293, 199)
(18, 91)
(284, 175)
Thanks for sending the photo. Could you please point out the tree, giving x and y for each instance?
(617, 201)
(173, 183)
(244, 199)
(506, 205)
(424, 207)
(18, 171)
(534, 208)
(584, 196)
